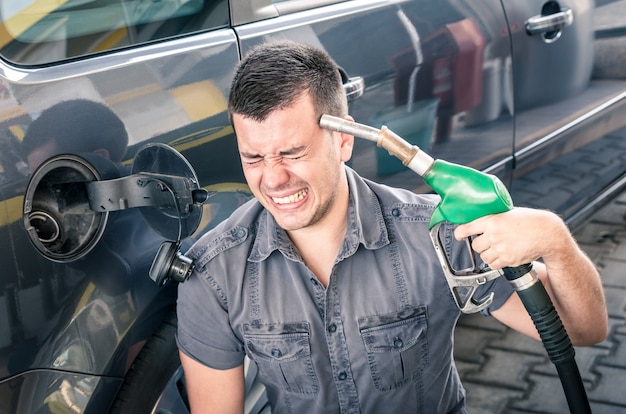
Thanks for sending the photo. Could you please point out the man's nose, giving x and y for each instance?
(275, 173)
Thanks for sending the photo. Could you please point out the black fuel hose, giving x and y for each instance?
(552, 332)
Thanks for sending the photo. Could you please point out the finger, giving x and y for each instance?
(494, 264)
(472, 228)
(493, 259)
(480, 244)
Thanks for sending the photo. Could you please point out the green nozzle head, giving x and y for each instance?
(466, 193)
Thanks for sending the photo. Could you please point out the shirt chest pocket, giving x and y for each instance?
(396, 347)
(282, 353)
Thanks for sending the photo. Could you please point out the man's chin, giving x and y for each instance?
(290, 221)
(290, 225)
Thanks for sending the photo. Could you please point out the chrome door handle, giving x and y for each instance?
(551, 25)
(354, 87)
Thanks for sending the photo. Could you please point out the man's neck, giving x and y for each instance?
(319, 244)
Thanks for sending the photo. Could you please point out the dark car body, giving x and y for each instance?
(504, 86)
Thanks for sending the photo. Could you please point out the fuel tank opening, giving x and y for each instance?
(46, 226)
(56, 210)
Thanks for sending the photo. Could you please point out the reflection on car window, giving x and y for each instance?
(36, 32)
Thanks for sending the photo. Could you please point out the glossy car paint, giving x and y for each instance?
(461, 79)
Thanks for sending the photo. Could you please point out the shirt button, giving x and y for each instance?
(397, 343)
(313, 281)
(342, 375)
(276, 353)
(395, 212)
(332, 328)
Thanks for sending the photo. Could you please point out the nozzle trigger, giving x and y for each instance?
(464, 283)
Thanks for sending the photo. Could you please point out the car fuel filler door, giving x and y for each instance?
(69, 198)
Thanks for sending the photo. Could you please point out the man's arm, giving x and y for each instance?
(524, 235)
(211, 390)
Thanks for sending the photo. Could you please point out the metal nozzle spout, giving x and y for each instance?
(410, 155)
(358, 130)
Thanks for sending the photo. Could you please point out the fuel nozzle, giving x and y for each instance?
(466, 194)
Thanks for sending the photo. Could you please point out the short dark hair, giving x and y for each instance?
(78, 126)
(274, 75)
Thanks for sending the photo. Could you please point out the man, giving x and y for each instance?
(329, 282)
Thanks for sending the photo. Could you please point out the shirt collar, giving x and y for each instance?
(366, 226)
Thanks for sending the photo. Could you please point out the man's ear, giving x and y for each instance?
(347, 142)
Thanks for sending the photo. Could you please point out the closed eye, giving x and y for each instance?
(294, 153)
(251, 160)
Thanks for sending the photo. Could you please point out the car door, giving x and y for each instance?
(436, 73)
(568, 61)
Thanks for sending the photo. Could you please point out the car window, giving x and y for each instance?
(38, 32)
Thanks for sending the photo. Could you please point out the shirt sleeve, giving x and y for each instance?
(204, 331)
(502, 290)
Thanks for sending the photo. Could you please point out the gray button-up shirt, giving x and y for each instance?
(378, 339)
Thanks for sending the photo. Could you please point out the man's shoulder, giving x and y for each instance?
(231, 232)
(387, 193)
(390, 196)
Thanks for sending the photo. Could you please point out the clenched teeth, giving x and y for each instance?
(290, 199)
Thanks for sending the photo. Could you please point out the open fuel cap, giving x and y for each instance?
(174, 221)
(69, 198)
(171, 175)
(56, 211)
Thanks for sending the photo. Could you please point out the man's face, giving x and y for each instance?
(294, 167)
